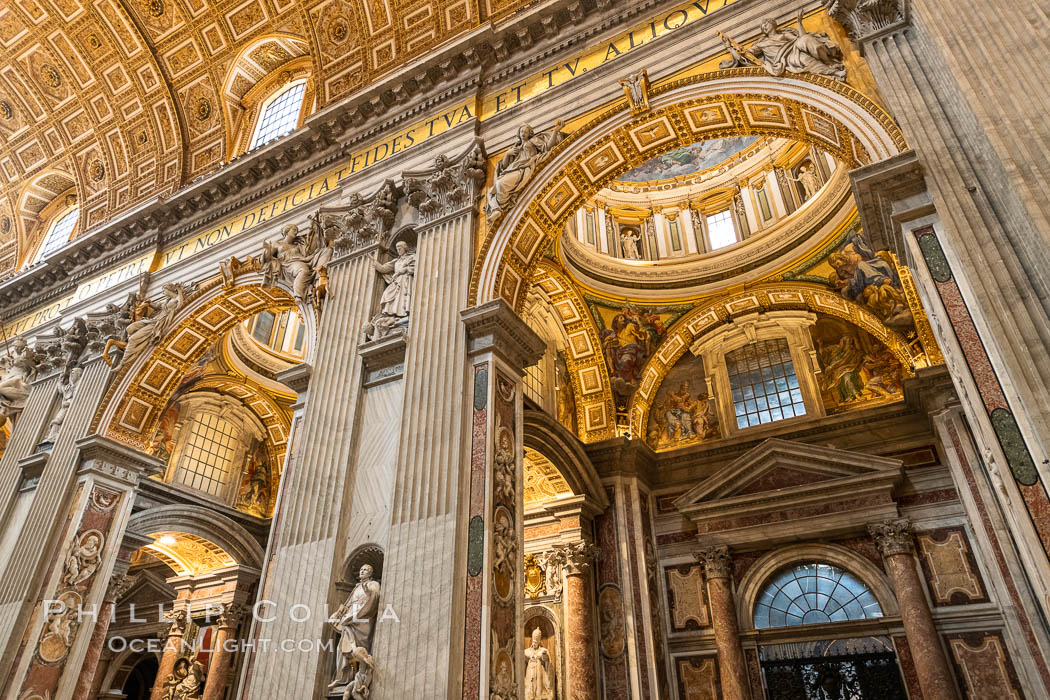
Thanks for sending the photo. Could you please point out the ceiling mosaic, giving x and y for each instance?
(128, 99)
(688, 160)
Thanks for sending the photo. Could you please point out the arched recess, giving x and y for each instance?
(259, 68)
(203, 523)
(708, 317)
(40, 200)
(554, 441)
(762, 570)
(585, 360)
(131, 409)
(737, 102)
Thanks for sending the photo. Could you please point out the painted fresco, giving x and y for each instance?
(682, 412)
(255, 489)
(856, 369)
(688, 159)
(163, 442)
(566, 400)
(629, 336)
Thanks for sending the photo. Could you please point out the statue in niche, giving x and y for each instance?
(66, 390)
(394, 305)
(809, 180)
(518, 164)
(83, 559)
(360, 687)
(629, 239)
(19, 370)
(147, 330)
(302, 263)
(782, 51)
(354, 621)
(539, 671)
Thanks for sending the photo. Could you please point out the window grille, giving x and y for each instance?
(280, 115)
(763, 382)
(721, 230)
(207, 459)
(58, 236)
(813, 593)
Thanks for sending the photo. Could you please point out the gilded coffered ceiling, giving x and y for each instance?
(122, 100)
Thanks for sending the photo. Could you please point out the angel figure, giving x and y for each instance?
(302, 263)
(19, 370)
(518, 164)
(360, 687)
(146, 331)
(83, 559)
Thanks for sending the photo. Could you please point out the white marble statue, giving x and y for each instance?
(83, 559)
(630, 238)
(396, 302)
(636, 87)
(518, 164)
(186, 681)
(302, 263)
(354, 621)
(539, 672)
(809, 180)
(144, 333)
(19, 369)
(65, 389)
(783, 51)
(360, 687)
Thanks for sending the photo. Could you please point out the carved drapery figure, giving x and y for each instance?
(146, 331)
(518, 165)
(394, 305)
(539, 671)
(630, 238)
(66, 389)
(636, 87)
(782, 51)
(19, 369)
(186, 681)
(354, 621)
(302, 263)
(84, 558)
(809, 180)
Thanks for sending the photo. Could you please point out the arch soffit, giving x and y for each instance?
(721, 312)
(135, 400)
(742, 101)
(585, 359)
(215, 528)
(555, 442)
(864, 569)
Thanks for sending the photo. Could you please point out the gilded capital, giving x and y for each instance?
(892, 536)
(717, 561)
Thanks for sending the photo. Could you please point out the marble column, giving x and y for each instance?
(897, 547)
(57, 639)
(119, 583)
(732, 668)
(224, 648)
(581, 648)
(500, 346)
(172, 644)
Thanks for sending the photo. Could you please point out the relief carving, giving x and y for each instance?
(301, 263)
(450, 185)
(84, 558)
(862, 18)
(518, 165)
(892, 537)
(186, 681)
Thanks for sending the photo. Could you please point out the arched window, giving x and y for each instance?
(812, 593)
(58, 235)
(279, 114)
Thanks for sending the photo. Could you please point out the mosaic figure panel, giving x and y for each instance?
(855, 368)
(683, 412)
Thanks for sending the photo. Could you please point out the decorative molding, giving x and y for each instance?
(107, 457)
(451, 186)
(494, 327)
(893, 537)
(865, 20)
(716, 561)
(384, 359)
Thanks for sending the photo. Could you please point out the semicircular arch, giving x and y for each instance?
(202, 523)
(139, 391)
(742, 101)
(556, 443)
(708, 317)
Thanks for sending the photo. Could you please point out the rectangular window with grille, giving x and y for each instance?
(721, 230)
(764, 385)
(207, 459)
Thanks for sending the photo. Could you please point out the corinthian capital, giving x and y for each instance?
(232, 614)
(864, 18)
(892, 536)
(576, 557)
(717, 562)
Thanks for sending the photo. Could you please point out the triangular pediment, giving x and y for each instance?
(148, 589)
(775, 465)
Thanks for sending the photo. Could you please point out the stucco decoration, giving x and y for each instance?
(516, 167)
(784, 50)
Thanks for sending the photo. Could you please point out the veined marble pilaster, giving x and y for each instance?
(59, 630)
(302, 561)
(501, 347)
(39, 528)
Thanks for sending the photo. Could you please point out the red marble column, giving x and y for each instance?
(581, 649)
(171, 651)
(118, 585)
(221, 660)
(732, 667)
(895, 542)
